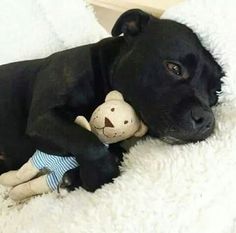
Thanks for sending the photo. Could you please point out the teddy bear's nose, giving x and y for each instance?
(108, 123)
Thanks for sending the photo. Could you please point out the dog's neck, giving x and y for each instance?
(104, 55)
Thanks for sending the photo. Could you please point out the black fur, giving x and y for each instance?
(40, 99)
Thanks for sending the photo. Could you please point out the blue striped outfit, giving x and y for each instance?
(57, 166)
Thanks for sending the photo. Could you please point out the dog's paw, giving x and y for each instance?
(70, 180)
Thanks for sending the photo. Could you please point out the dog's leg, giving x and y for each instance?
(3, 167)
(34, 187)
(17, 152)
(25, 173)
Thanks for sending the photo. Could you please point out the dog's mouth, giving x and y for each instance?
(178, 138)
(172, 140)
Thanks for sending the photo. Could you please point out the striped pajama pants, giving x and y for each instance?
(57, 166)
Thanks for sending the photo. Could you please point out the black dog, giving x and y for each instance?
(158, 65)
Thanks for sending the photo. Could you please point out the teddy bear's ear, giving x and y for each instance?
(142, 130)
(114, 95)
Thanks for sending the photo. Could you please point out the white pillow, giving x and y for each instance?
(32, 29)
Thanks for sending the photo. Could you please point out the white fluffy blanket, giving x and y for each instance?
(163, 188)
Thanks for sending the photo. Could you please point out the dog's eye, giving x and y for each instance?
(174, 68)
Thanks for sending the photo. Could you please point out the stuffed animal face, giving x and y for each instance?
(116, 120)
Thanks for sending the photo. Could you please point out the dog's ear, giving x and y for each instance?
(131, 23)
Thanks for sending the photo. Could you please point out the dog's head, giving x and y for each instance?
(164, 72)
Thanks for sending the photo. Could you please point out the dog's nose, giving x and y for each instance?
(202, 120)
(108, 123)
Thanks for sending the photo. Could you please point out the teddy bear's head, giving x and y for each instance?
(115, 120)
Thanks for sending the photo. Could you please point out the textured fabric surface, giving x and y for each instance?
(163, 188)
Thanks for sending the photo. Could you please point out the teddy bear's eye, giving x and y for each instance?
(113, 109)
(126, 122)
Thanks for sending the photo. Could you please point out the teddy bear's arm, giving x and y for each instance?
(82, 121)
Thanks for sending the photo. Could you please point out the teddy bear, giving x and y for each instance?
(113, 121)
